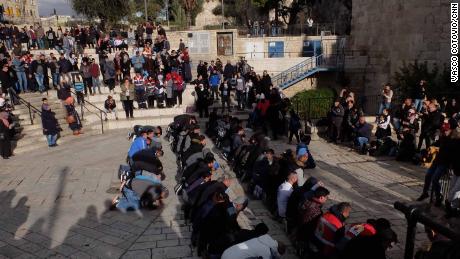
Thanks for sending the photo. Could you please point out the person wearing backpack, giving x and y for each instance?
(79, 87)
(294, 126)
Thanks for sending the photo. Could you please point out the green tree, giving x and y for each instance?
(135, 6)
(110, 11)
(438, 80)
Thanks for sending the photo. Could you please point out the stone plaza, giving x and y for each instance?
(55, 202)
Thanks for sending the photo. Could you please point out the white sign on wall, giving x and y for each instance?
(199, 43)
(254, 50)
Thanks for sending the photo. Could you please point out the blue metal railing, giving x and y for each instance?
(303, 69)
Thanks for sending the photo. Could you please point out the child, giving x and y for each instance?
(79, 88)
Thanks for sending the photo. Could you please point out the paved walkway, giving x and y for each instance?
(54, 201)
(54, 205)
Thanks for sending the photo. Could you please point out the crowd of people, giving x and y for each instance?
(279, 181)
(152, 73)
(422, 130)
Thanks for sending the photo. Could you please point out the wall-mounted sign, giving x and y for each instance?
(225, 43)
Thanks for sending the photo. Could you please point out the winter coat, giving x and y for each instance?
(123, 96)
(337, 113)
(49, 123)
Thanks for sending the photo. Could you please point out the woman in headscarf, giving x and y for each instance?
(72, 116)
(50, 125)
(5, 135)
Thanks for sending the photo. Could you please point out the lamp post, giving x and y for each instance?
(223, 16)
(145, 11)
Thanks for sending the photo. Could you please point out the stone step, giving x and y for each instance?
(42, 144)
(139, 113)
(129, 123)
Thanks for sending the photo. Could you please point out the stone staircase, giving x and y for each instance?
(29, 131)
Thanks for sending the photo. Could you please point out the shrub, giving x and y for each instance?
(438, 79)
(313, 104)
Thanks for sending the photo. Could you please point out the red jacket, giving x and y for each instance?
(94, 70)
(326, 232)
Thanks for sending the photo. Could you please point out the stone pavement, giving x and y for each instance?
(54, 202)
(54, 205)
(370, 184)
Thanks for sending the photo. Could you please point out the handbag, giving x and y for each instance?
(70, 119)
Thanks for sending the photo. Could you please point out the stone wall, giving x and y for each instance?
(387, 33)
(242, 47)
(18, 12)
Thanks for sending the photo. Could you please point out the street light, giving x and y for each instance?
(223, 16)
(145, 11)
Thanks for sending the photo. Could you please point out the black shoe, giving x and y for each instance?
(423, 196)
(5, 157)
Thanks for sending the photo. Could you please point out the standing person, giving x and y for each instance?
(50, 124)
(225, 95)
(202, 101)
(19, 68)
(73, 119)
(337, 113)
(95, 72)
(65, 67)
(439, 166)
(39, 69)
(127, 97)
(169, 90)
(240, 87)
(229, 71)
(50, 36)
(178, 84)
(419, 95)
(79, 87)
(40, 37)
(54, 69)
(138, 62)
(109, 74)
(294, 126)
(110, 106)
(5, 135)
(214, 82)
(387, 95)
(431, 122)
(85, 70)
(181, 45)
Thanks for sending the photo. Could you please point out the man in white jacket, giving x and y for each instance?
(264, 247)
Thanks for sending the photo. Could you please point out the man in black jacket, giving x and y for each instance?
(39, 69)
(65, 67)
(431, 123)
(229, 70)
(202, 101)
(336, 115)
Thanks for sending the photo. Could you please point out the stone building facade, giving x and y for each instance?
(20, 11)
(387, 33)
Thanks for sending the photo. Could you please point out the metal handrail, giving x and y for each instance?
(298, 70)
(83, 105)
(32, 109)
(415, 215)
